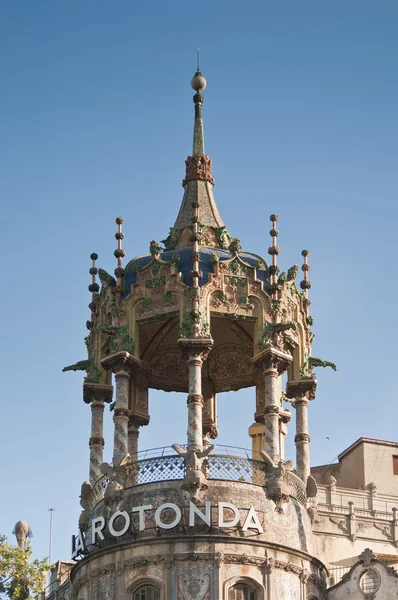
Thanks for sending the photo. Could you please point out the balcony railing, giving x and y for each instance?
(234, 464)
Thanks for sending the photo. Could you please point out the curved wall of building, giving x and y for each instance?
(174, 551)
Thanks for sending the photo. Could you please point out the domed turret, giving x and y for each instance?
(199, 315)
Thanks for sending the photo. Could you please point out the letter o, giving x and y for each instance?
(119, 513)
(161, 508)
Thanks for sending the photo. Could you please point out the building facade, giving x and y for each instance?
(198, 314)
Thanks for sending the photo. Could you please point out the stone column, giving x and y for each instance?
(270, 364)
(284, 418)
(209, 413)
(302, 438)
(121, 415)
(303, 391)
(267, 568)
(395, 526)
(271, 412)
(332, 488)
(96, 442)
(195, 400)
(133, 435)
(372, 495)
(96, 394)
(352, 522)
(282, 433)
(218, 579)
(304, 576)
(195, 350)
(121, 364)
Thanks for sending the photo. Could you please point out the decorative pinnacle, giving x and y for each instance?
(119, 254)
(305, 284)
(274, 251)
(198, 83)
(93, 287)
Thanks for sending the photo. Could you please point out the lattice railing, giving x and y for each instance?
(216, 467)
(296, 485)
(99, 488)
(164, 468)
(231, 468)
(226, 468)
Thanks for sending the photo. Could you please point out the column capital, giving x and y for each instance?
(195, 348)
(97, 392)
(304, 388)
(120, 362)
(285, 416)
(137, 421)
(271, 358)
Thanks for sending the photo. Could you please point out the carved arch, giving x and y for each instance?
(152, 344)
(151, 585)
(135, 302)
(240, 301)
(253, 585)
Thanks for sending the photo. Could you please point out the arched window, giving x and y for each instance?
(146, 592)
(241, 591)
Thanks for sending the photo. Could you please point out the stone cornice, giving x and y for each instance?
(302, 388)
(271, 358)
(199, 346)
(265, 564)
(200, 539)
(120, 361)
(97, 391)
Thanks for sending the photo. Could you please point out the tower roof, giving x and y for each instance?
(198, 189)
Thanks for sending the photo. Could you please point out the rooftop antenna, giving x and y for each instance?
(198, 55)
(50, 510)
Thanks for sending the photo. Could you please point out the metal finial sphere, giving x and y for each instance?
(198, 82)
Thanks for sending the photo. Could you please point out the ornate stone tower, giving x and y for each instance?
(201, 316)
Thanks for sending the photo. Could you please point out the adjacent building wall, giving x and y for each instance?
(378, 462)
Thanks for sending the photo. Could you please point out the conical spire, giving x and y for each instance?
(198, 185)
(198, 83)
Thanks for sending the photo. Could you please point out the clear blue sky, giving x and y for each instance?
(96, 122)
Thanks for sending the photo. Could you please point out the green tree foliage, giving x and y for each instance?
(20, 577)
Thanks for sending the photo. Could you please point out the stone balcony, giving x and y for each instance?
(154, 493)
(227, 464)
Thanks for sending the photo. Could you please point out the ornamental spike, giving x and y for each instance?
(195, 273)
(93, 287)
(274, 251)
(305, 284)
(198, 83)
(119, 254)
